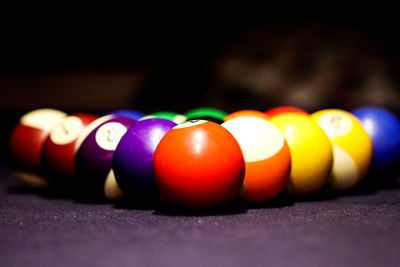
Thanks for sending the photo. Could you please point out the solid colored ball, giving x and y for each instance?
(198, 164)
(247, 112)
(266, 155)
(383, 127)
(95, 150)
(310, 149)
(167, 115)
(352, 147)
(284, 109)
(209, 114)
(27, 142)
(133, 158)
(59, 149)
(129, 113)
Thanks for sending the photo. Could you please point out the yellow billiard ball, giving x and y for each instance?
(310, 149)
(352, 147)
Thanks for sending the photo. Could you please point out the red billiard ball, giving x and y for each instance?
(59, 152)
(198, 164)
(27, 142)
(247, 113)
(285, 109)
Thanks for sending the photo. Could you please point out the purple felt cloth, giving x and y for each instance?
(40, 230)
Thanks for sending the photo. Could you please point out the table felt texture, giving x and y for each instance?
(36, 229)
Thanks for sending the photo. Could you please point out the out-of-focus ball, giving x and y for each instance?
(167, 115)
(59, 148)
(284, 109)
(27, 142)
(352, 147)
(266, 155)
(198, 164)
(310, 149)
(133, 158)
(383, 127)
(129, 113)
(95, 150)
(248, 112)
(209, 114)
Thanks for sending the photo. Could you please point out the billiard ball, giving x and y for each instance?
(59, 148)
(247, 112)
(352, 147)
(133, 158)
(310, 150)
(383, 127)
(266, 155)
(95, 149)
(198, 164)
(209, 114)
(27, 142)
(284, 109)
(129, 113)
(167, 115)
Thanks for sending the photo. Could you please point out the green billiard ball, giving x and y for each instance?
(210, 114)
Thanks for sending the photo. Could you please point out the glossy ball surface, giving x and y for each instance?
(352, 147)
(129, 113)
(198, 164)
(59, 149)
(210, 114)
(27, 142)
(383, 127)
(167, 115)
(133, 158)
(284, 109)
(266, 155)
(247, 112)
(95, 150)
(310, 149)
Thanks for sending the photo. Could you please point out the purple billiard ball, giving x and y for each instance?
(133, 158)
(95, 151)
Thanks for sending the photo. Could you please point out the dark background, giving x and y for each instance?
(231, 58)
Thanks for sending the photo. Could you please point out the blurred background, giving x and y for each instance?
(178, 61)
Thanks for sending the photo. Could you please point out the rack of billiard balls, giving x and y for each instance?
(205, 157)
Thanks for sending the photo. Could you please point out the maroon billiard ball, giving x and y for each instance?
(27, 142)
(59, 149)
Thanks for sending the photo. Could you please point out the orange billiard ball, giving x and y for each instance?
(266, 154)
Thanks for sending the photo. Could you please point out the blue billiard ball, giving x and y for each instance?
(129, 113)
(383, 127)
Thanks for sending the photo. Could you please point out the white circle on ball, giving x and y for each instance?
(67, 131)
(44, 119)
(189, 123)
(90, 128)
(335, 123)
(109, 135)
(258, 138)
